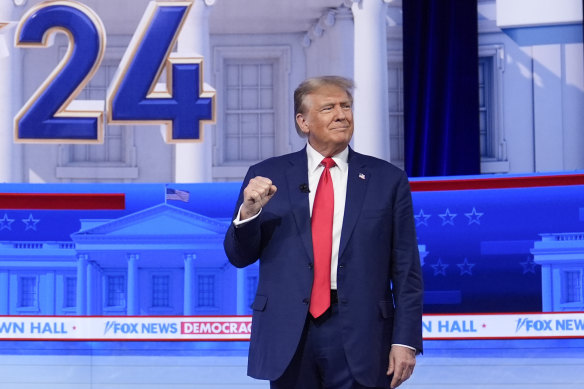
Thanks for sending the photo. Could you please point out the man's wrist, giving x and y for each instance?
(237, 222)
(406, 346)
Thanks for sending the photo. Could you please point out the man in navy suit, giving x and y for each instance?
(369, 335)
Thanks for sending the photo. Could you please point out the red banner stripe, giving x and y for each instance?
(497, 183)
(70, 201)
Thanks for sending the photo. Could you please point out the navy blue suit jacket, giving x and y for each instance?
(378, 278)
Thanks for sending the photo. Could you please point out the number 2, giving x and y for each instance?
(49, 114)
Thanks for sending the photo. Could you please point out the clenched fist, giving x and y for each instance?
(256, 194)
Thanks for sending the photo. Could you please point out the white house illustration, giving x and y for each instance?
(162, 260)
(561, 256)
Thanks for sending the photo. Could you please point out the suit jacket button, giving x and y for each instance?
(310, 266)
(306, 301)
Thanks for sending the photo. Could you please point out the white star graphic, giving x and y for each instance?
(422, 218)
(465, 267)
(447, 217)
(474, 217)
(6, 223)
(439, 267)
(30, 223)
(528, 265)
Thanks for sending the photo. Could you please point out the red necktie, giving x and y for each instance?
(322, 240)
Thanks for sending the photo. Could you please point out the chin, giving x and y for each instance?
(344, 136)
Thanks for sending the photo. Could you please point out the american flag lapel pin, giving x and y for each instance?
(362, 176)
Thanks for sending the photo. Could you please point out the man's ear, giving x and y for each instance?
(302, 123)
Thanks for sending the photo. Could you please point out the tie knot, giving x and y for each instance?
(328, 163)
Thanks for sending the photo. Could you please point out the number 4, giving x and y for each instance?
(183, 107)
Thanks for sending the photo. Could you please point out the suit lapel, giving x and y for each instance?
(357, 179)
(297, 174)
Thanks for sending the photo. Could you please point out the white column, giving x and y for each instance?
(49, 305)
(82, 262)
(133, 303)
(193, 161)
(547, 108)
(4, 286)
(558, 98)
(573, 101)
(547, 291)
(371, 110)
(331, 39)
(6, 114)
(92, 288)
(189, 290)
(17, 99)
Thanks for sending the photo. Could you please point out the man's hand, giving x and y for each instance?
(256, 194)
(401, 364)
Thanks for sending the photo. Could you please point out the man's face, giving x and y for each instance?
(327, 120)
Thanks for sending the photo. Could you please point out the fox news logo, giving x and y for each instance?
(543, 325)
(115, 327)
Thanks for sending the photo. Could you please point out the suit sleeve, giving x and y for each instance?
(407, 283)
(242, 244)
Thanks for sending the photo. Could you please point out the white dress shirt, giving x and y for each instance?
(339, 176)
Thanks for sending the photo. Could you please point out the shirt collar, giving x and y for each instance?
(315, 158)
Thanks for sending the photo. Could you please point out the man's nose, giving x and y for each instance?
(340, 113)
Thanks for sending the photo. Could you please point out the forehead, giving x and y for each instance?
(327, 94)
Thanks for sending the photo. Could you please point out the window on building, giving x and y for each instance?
(493, 144)
(70, 295)
(249, 130)
(571, 286)
(486, 107)
(206, 291)
(28, 292)
(395, 78)
(160, 290)
(116, 291)
(253, 105)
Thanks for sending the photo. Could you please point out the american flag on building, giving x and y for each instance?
(177, 194)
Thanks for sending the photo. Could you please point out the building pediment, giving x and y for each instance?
(160, 221)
